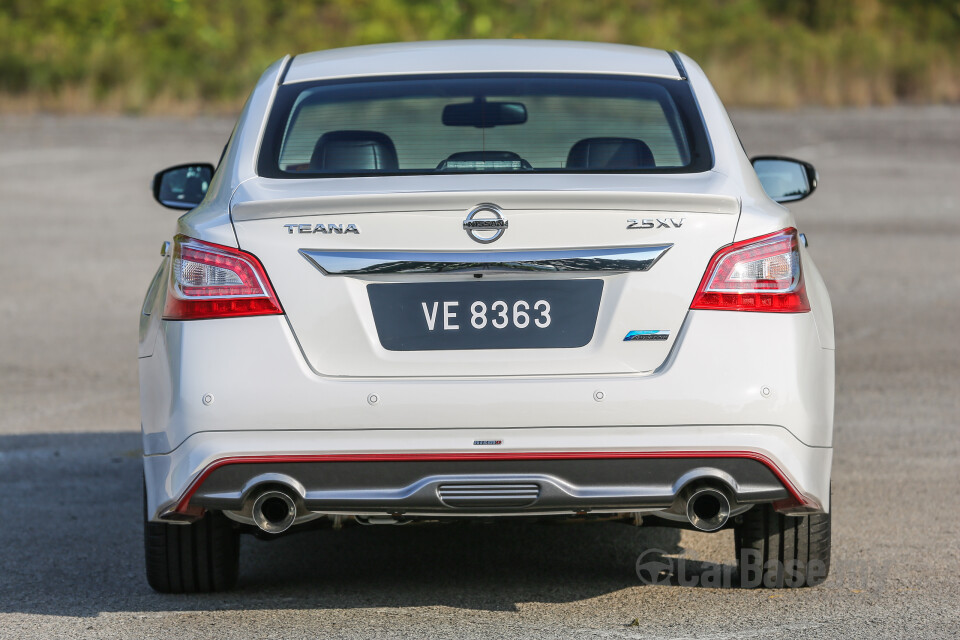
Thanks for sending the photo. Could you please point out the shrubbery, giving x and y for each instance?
(188, 55)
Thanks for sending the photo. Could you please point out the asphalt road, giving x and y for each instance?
(79, 240)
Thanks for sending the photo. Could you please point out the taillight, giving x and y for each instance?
(759, 274)
(213, 281)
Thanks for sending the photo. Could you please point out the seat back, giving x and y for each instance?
(354, 151)
(615, 154)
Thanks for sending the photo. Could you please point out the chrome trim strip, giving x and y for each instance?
(393, 262)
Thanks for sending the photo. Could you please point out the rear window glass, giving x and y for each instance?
(483, 124)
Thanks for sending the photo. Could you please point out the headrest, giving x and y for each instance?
(610, 153)
(350, 151)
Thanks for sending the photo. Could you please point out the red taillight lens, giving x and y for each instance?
(759, 274)
(212, 281)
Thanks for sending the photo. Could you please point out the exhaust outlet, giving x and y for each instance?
(707, 509)
(274, 511)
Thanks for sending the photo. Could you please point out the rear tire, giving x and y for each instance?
(192, 558)
(775, 551)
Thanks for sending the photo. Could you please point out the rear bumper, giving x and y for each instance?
(726, 369)
(390, 473)
(737, 386)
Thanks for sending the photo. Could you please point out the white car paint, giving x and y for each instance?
(316, 381)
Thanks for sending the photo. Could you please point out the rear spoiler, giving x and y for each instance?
(267, 201)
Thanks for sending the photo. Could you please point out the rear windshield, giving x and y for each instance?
(484, 124)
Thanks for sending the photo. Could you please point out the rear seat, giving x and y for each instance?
(354, 151)
(614, 154)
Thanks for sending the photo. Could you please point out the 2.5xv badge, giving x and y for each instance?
(655, 223)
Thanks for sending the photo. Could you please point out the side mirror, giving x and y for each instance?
(785, 179)
(182, 186)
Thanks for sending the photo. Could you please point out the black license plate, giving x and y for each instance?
(537, 314)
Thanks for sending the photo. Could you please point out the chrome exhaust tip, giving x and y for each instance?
(707, 509)
(274, 511)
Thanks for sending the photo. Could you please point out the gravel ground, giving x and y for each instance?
(79, 240)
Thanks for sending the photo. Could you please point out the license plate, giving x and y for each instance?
(538, 314)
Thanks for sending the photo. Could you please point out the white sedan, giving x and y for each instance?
(498, 279)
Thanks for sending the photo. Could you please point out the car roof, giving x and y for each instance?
(478, 56)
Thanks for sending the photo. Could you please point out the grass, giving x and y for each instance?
(190, 56)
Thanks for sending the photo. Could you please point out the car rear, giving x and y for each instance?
(489, 294)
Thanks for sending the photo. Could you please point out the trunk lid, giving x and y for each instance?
(335, 251)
